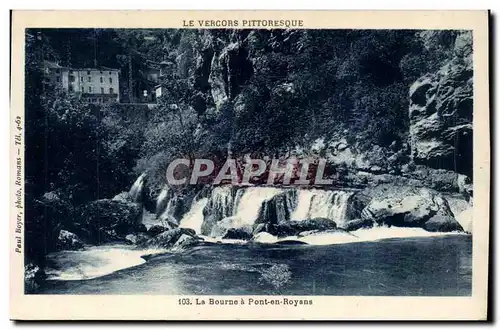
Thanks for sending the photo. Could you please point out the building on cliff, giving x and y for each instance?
(166, 71)
(93, 85)
(146, 83)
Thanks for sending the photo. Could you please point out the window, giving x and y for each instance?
(89, 79)
(58, 79)
(102, 90)
(70, 88)
(58, 71)
(90, 89)
(83, 90)
(110, 80)
(81, 79)
(109, 72)
(88, 72)
(70, 71)
(111, 91)
(101, 80)
(72, 78)
(100, 72)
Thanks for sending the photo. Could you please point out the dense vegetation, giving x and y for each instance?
(249, 91)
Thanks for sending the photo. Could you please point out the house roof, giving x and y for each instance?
(53, 65)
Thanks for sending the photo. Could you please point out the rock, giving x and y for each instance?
(376, 169)
(220, 228)
(137, 239)
(33, 277)
(69, 241)
(441, 113)
(244, 233)
(306, 233)
(108, 220)
(264, 237)
(259, 227)
(465, 218)
(230, 70)
(168, 238)
(209, 222)
(292, 228)
(185, 241)
(277, 209)
(403, 206)
(123, 197)
(156, 229)
(465, 186)
(356, 224)
(291, 242)
(439, 223)
(48, 216)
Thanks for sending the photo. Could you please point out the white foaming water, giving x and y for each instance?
(317, 203)
(161, 200)
(369, 235)
(360, 235)
(194, 218)
(95, 262)
(264, 237)
(303, 206)
(136, 189)
(249, 204)
(219, 240)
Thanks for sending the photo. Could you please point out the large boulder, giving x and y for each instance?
(293, 228)
(441, 107)
(356, 224)
(123, 197)
(465, 218)
(222, 227)
(277, 209)
(108, 220)
(48, 215)
(439, 223)
(68, 241)
(169, 238)
(244, 233)
(156, 230)
(404, 206)
(185, 241)
(33, 277)
(137, 239)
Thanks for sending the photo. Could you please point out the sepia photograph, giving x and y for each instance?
(247, 161)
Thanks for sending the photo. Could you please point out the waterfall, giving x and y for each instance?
(136, 189)
(194, 218)
(246, 206)
(162, 201)
(222, 201)
(249, 204)
(317, 203)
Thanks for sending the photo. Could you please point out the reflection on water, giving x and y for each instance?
(411, 266)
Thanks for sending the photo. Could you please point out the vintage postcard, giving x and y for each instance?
(249, 165)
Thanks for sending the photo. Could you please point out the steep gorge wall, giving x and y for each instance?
(441, 111)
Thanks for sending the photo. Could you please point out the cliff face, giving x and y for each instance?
(440, 113)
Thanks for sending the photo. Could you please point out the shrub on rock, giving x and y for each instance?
(108, 220)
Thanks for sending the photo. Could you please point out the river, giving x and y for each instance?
(407, 266)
